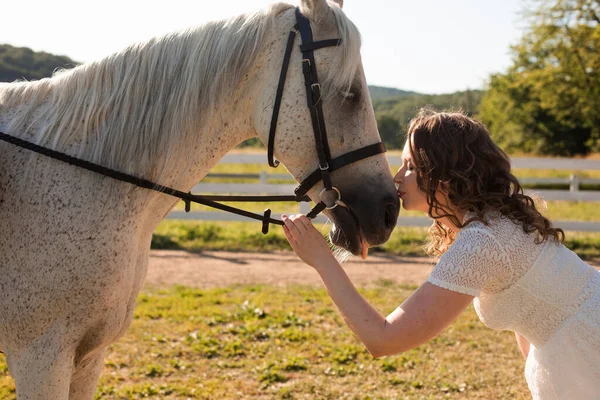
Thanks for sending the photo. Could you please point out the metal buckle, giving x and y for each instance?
(336, 202)
(325, 168)
(306, 60)
(318, 85)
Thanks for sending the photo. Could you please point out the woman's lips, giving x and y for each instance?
(401, 194)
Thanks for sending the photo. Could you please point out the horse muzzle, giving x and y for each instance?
(363, 223)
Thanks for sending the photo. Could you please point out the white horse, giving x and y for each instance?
(74, 245)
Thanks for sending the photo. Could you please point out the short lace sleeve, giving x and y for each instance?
(474, 259)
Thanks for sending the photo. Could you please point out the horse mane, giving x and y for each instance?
(126, 109)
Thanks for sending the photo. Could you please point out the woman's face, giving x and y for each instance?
(413, 199)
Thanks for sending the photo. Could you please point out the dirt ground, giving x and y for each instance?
(209, 269)
(221, 268)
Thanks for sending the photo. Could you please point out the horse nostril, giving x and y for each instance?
(391, 215)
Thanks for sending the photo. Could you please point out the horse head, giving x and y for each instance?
(366, 189)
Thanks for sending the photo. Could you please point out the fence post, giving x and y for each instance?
(573, 183)
(263, 177)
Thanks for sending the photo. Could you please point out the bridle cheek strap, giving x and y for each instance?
(278, 95)
(315, 106)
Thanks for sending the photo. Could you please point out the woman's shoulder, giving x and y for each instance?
(476, 236)
(493, 223)
(508, 234)
(503, 243)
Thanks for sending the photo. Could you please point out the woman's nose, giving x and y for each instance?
(398, 176)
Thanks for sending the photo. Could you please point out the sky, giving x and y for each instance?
(427, 46)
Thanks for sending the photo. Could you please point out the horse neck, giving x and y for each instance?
(230, 125)
(225, 129)
(184, 166)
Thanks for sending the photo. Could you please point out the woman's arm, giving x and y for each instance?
(420, 318)
(523, 345)
(426, 313)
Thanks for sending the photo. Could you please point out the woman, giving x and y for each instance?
(494, 246)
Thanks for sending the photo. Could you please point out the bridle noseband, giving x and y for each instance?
(330, 197)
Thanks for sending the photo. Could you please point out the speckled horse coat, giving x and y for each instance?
(74, 245)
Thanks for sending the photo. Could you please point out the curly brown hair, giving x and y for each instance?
(457, 150)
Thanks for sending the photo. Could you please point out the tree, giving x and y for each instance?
(549, 100)
(394, 114)
(389, 130)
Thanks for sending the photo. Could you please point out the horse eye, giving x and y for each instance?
(347, 96)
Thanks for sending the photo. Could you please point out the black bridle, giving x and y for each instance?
(326, 163)
(313, 101)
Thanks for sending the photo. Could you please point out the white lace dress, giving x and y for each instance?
(544, 292)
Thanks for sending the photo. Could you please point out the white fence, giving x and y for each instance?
(517, 162)
(263, 187)
(573, 181)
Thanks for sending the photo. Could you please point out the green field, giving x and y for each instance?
(262, 342)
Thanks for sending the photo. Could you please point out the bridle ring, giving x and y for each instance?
(336, 202)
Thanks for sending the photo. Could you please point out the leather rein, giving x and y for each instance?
(326, 163)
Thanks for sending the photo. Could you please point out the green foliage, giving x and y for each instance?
(23, 63)
(393, 114)
(389, 130)
(252, 142)
(548, 102)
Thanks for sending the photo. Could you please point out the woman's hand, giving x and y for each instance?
(308, 243)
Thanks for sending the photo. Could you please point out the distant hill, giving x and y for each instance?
(380, 92)
(24, 63)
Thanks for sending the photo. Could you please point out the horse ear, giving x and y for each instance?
(340, 3)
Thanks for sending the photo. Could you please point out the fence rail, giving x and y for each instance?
(573, 181)
(263, 186)
(577, 226)
(517, 162)
(283, 189)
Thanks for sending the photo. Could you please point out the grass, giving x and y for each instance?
(245, 236)
(406, 241)
(263, 342)
(555, 173)
(572, 211)
(556, 210)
